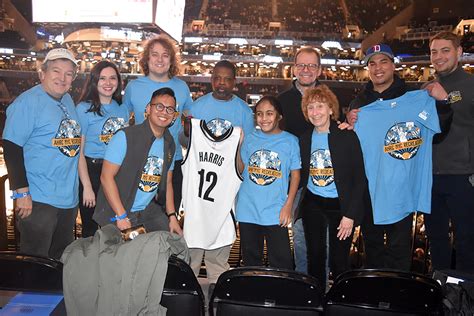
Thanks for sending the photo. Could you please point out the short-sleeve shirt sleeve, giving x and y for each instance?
(116, 149)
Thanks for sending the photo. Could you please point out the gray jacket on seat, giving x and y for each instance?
(104, 275)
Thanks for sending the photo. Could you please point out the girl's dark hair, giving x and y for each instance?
(90, 92)
(273, 101)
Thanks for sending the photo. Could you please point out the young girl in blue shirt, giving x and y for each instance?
(270, 160)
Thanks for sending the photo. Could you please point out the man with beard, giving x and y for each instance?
(220, 111)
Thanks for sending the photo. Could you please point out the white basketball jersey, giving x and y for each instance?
(210, 183)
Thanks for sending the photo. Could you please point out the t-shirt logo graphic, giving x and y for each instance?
(151, 174)
(68, 138)
(218, 126)
(320, 168)
(111, 126)
(403, 140)
(264, 167)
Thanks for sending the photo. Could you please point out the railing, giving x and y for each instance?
(3, 215)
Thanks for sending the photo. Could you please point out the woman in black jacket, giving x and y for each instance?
(333, 176)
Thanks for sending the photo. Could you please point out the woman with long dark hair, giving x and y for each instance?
(100, 116)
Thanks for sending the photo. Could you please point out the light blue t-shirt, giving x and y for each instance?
(138, 94)
(220, 115)
(268, 160)
(98, 130)
(50, 134)
(396, 140)
(152, 171)
(321, 173)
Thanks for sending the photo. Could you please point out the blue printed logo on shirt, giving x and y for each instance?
(151, 174)
(68, 138)
(403, 140)
(111, 126)
(218, 126)
(320, 168)
(264, 167)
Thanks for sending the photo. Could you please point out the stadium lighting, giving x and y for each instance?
(193, 39)
(284, 42)
(331, 44)
(272, 59)
(6, 51)
(238, 41)
(328, 61)
(211, 57)
(59, 38)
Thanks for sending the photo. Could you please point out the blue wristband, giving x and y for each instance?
(17, 195)
(116, 217)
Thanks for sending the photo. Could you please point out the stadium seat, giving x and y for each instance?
(182, 294)
(265, 291)
(30, 285)
(30, 273)
(383, 292)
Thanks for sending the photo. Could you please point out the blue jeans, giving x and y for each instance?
(299, 244)
(299, 241)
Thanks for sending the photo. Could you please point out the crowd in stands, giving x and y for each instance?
(13, 38)
(255, 14)
(467, 43)
(17, 64)
(305, 16)
(372, 14)
(192, 9)
(312, 16)
(416, 41)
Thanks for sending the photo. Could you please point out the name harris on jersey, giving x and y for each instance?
(214, 158)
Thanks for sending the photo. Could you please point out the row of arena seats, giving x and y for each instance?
(255, 290)
(182, 294)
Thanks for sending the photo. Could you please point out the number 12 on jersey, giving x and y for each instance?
(211, 177)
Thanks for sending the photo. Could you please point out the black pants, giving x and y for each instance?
(452, 199)
(395, 253)
(177, 182)
(321, 217)
(278, 245)
(94, 168)
(47, 231)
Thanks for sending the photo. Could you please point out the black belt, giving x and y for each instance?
(95, 160)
